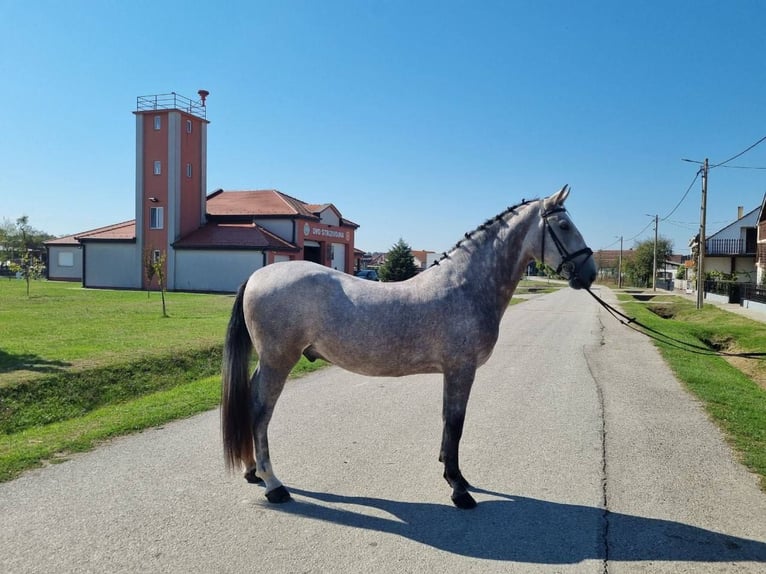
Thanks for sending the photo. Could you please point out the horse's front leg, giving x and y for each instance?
(457, 389)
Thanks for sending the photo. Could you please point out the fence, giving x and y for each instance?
(729, 247)
(737, 292)
(171, 101)
(753, 292)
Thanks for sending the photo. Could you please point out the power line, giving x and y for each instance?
(641, 232)
(688, 189)
(696, 176)
(612, 243)
(744, 151)
(742, 167)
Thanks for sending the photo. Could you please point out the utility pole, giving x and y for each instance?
(619, 267)
(701, 253)
(654, 266)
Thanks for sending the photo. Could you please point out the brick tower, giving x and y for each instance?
(171, 174)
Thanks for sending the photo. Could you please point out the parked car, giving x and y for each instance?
(370, 274)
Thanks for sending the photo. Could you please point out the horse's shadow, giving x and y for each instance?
(519, 529)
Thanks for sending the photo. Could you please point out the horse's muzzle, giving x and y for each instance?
(582, 271)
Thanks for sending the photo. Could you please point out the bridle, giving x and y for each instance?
(567, 265)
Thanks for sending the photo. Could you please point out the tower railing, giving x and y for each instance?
(171, 101)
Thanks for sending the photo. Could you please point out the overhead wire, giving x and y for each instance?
(743, 167)
(743, 152)
(688, 189)
(696, 176)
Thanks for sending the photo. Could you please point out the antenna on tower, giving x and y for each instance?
(203, 94)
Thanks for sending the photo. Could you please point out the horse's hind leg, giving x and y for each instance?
(251, 470)
(269, 382)
(457, 389)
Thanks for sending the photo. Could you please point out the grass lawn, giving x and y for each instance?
(734, 390)
(78, 366)
(63, 326)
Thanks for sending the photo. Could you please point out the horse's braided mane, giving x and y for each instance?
(483, 227)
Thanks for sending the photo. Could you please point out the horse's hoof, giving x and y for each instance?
(253, 478)
(463, 500)
(278, 495)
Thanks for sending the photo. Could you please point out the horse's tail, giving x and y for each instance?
(236, 423)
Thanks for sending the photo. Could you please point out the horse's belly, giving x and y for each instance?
(380, 364)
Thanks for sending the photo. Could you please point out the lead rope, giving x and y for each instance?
(667, 339)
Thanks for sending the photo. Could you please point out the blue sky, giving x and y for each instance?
(417, 119)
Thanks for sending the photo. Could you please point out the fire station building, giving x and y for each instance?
(211, 242)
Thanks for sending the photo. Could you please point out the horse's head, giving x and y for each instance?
(563, 248)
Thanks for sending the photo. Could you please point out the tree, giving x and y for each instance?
(399, 264)
(154, 266)
(544, 270)
(27, 263)
(639, 263)
(19, 236)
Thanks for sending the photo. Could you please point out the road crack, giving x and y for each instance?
(606, 515)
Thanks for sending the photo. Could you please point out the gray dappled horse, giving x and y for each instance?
(444, 320)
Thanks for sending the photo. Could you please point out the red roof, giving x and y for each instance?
(237, 205)
(125, 231)
(233, 236)
(263, 202)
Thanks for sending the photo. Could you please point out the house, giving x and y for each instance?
(732, 249)
(424, 259)
(608, 262)
(760, 259)
(209, 242)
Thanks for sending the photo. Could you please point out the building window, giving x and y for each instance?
(157, 122)
(188, 170)
(188, 126)
(66, 259)
(156, 254)
(158, 167)
(156, 216)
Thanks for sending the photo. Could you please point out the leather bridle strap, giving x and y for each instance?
(566, 257)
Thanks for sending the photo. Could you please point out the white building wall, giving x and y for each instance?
(329, 217)
(737, 229)
(58, 263)
(112, 265)
(281, 227)
(214, 270)
(744, 267)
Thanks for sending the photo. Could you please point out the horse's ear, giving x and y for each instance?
(557, 198)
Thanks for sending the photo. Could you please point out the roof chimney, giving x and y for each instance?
(740, 211)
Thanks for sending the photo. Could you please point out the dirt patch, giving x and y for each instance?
(724, 344)
(664, 311)
(755, 369)
(643, 297)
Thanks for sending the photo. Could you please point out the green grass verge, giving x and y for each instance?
(73, 393)
(80, 366)
(732, 398)
(35, 445)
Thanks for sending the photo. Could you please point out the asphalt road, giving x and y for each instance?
(587, 454)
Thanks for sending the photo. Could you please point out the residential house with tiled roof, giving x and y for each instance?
(760, 259)
(732, 249)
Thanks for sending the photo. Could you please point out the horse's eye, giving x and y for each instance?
(564, 225)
